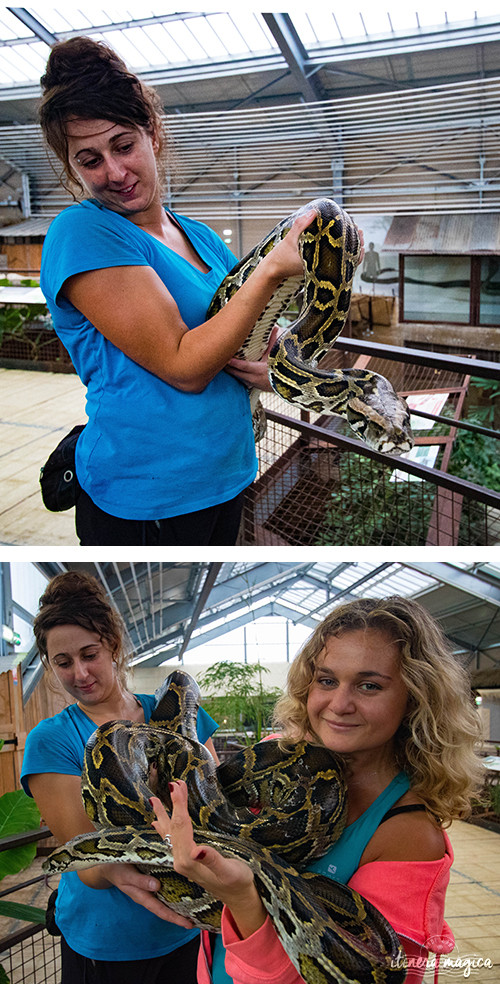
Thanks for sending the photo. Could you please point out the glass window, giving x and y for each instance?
(489, 298)
(437, 288)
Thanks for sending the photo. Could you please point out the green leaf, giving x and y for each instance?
(17, 910)
(16, 859)
(18, 813)
(3, 976)
(237, 698)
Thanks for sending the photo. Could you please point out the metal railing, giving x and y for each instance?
(29, 955)
(322, 491)
(316, 486)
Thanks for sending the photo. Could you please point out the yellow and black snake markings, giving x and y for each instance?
(330, 250)
(331, 934)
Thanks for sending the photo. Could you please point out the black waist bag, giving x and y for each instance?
(50, 915)
(58, 482)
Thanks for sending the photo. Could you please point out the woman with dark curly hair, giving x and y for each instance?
(114, 929)
(168, 450)
(377, 684)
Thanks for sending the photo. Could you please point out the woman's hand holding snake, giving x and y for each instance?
(284, 260)
(228, 879)
(141, 888)
(254, 374)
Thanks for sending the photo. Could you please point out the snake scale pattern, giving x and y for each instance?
(330, 250)
(331, 934)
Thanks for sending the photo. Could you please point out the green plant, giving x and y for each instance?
(484, 400)
(18, 814)
(475, 458)
(369, 508)
(494, 792)
(236, 697)
(27, 282)
(27, 323)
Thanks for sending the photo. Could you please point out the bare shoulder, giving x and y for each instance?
(411, 836)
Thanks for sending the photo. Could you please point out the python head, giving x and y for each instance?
(382, 419)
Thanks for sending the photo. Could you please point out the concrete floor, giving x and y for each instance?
(37, 410)
(472, 907)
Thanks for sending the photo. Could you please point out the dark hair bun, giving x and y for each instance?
(74, 588)
(87, 80)
(81, 58)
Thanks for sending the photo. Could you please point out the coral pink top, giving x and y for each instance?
(410, 894)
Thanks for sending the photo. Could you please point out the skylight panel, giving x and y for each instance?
(317, 27)
(351, 574)
(170, 49)
(304, 27)
(59, 22)
(150, 52)
(35, 55)
(160, 46)
(349, 22)
(122, 42)
(9, 25)
(17, 63)
(207, 37)
(398, 582)
(193, 51)
(255, 31)
(232, 39)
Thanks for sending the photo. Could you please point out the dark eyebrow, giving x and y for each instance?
(362, 673)
(93, 150)
(82, 649)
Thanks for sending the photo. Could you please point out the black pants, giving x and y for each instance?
(214, 526)
(176, 967)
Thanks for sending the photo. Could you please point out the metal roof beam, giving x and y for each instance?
(348, 592)
(230, 626)
(255, 579)
(272, 608)
(473, 584)
(34, 25)
(399, 43)
(209, 582)
(292, 49)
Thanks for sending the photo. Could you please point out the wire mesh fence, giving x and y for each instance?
(316, 488)
(34, 346)
(31, 956)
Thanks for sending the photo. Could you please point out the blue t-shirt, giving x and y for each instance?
(149, 451)
(341, 861)
(103, 924)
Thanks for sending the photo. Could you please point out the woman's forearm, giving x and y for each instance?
(206, 349)
(248, 913)
(95, 877)
(133, 309)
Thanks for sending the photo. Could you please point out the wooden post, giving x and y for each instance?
(12, 729)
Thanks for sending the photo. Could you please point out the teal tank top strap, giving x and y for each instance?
(219, 973)
(342, 860)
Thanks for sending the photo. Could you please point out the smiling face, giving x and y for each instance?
(115, 163)
(357, 699)
(82, 663)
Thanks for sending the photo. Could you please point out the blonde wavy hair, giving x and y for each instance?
(436, 744)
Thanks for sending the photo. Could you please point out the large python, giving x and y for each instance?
(330, 250)
(331, 934)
